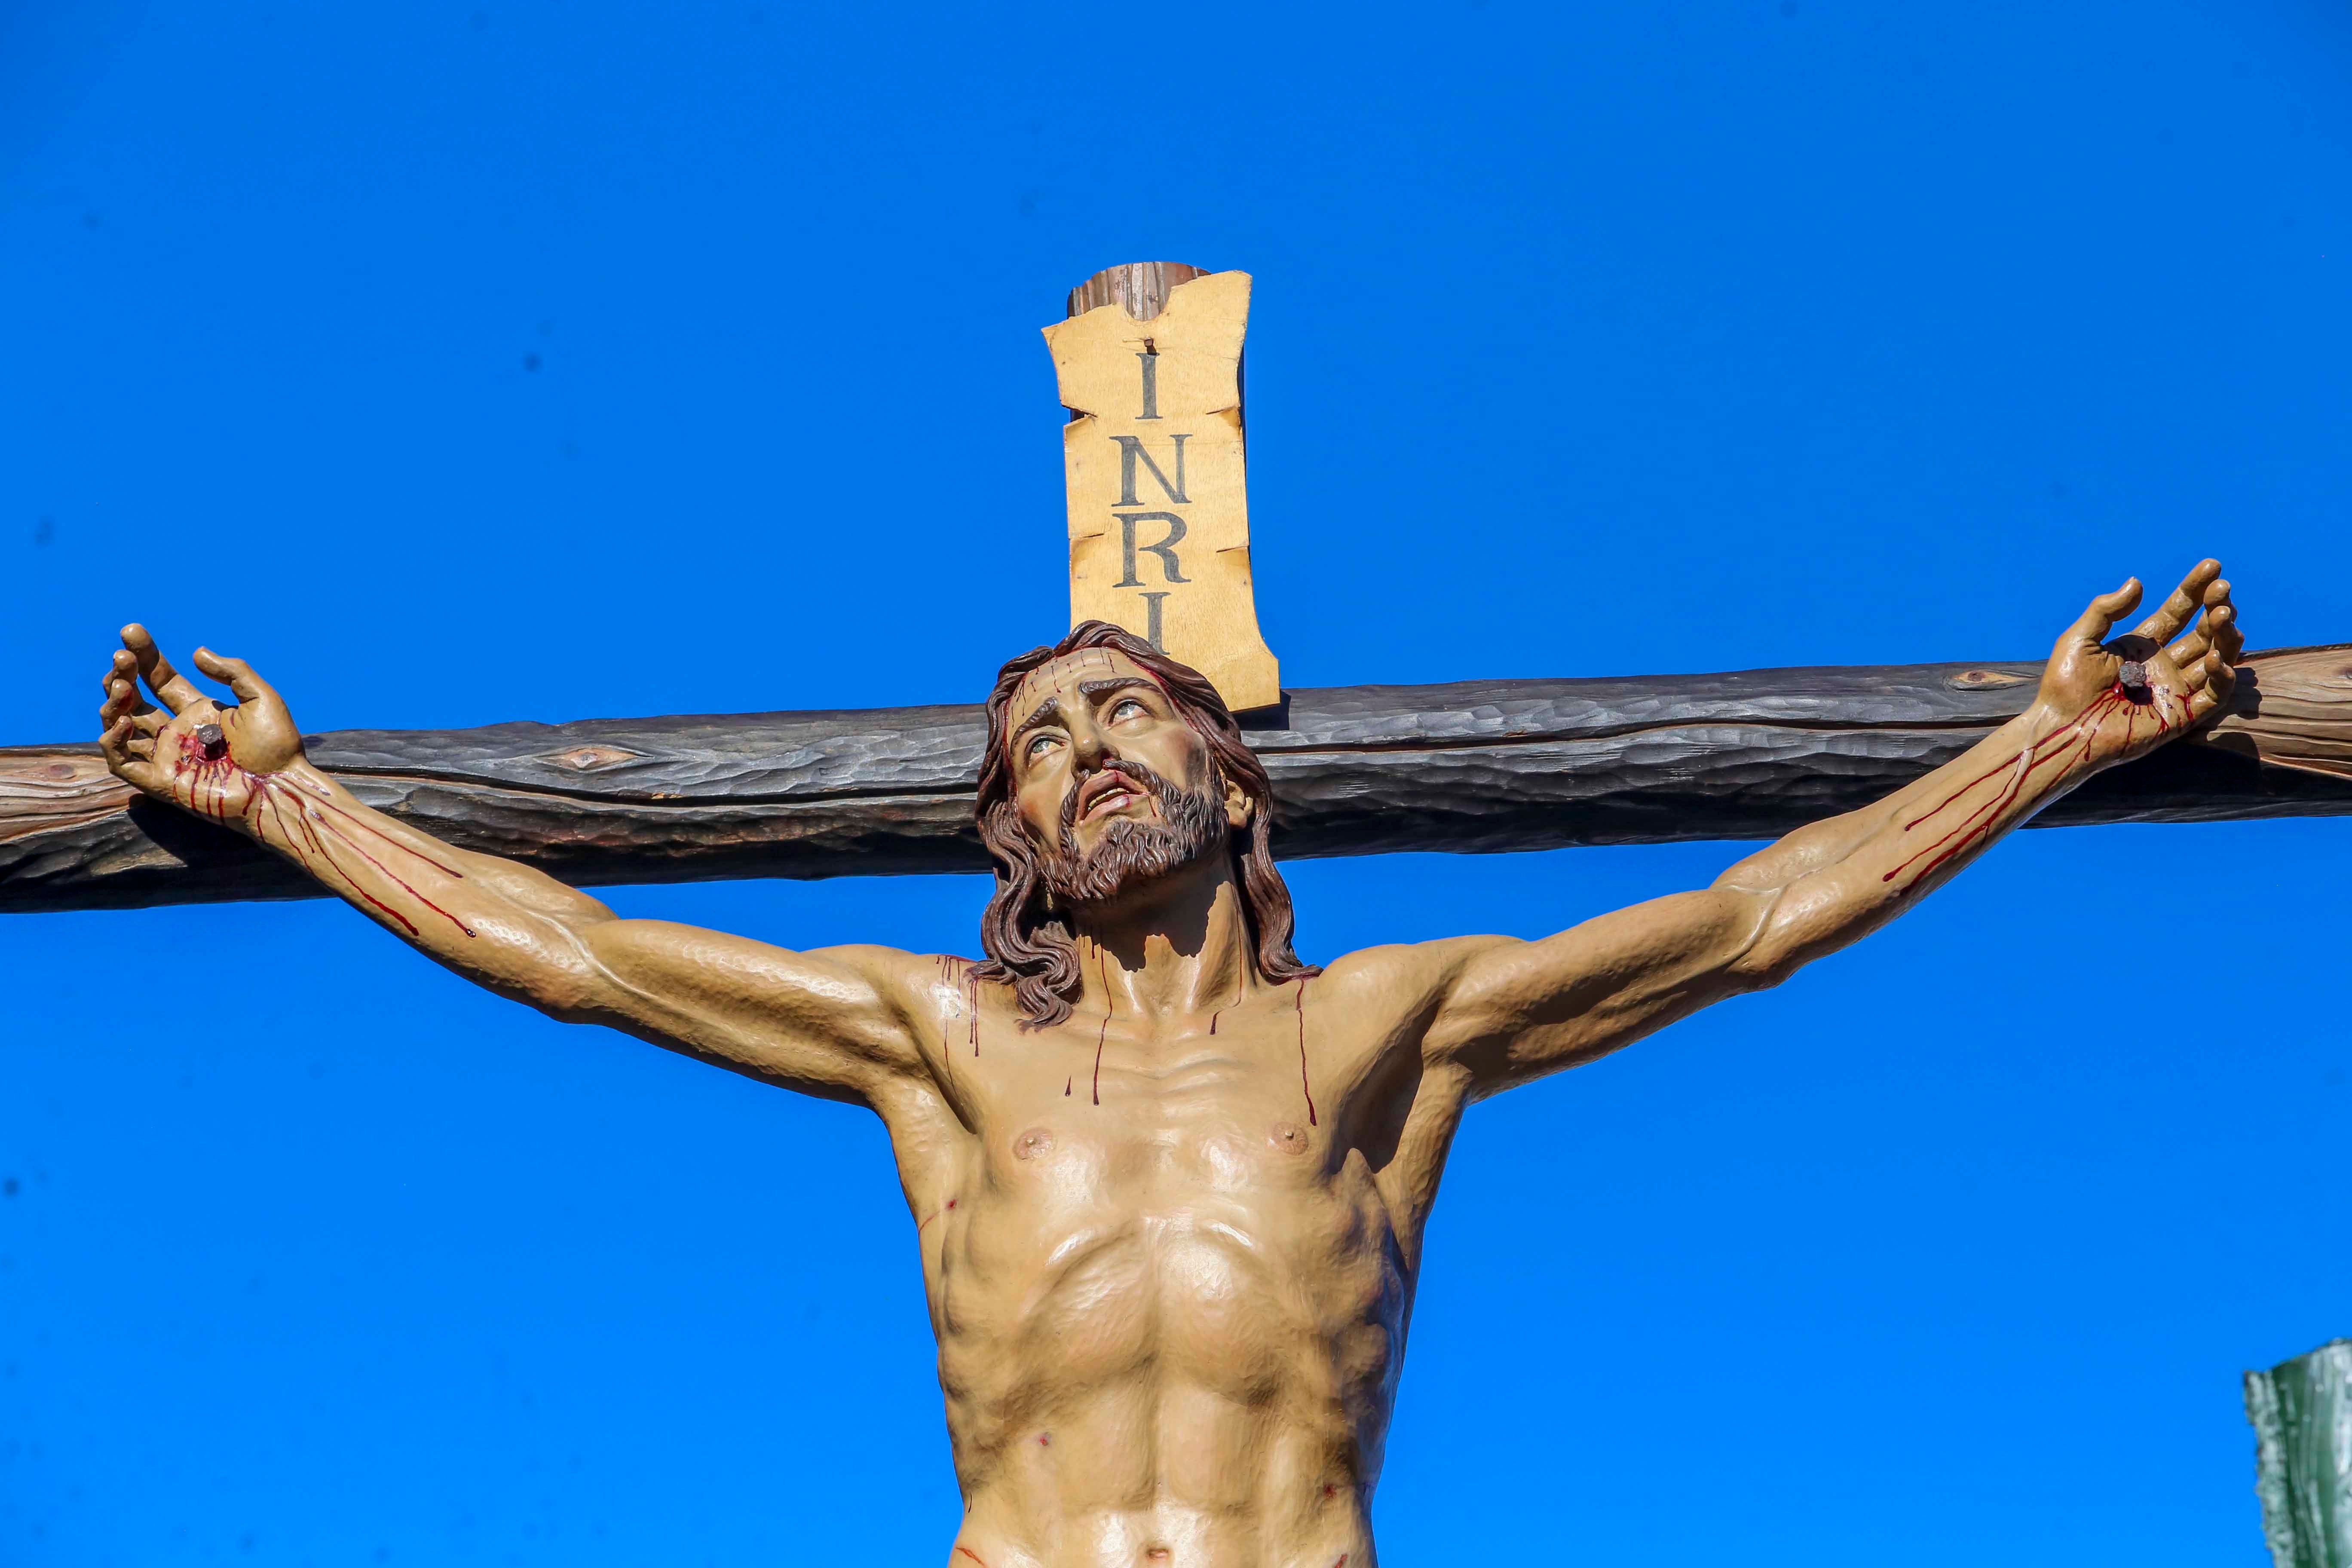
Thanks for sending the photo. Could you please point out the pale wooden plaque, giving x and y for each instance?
(1158, 505)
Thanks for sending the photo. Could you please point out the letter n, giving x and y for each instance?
(1131, 452)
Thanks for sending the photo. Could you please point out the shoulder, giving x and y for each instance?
(920, 981)
(1405, 980)
(1410, 963)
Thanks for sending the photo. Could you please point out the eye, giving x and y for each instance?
(1037, 746)
(1129, 707)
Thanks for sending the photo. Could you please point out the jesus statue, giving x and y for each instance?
(1171, 1290)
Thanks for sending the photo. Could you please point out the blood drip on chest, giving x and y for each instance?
(1304, 1087)
(1103, 969)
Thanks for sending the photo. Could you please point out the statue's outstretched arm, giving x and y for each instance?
(1515, 1010)
(826, 1023)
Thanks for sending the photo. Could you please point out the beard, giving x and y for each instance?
(1193, 825)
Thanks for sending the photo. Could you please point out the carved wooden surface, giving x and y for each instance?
(1138, 288)
(1472, 766)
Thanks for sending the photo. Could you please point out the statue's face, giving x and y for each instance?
(1074, 722)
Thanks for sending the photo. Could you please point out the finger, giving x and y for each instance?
(123, 703)
(239, 676)
(122, 699)
(133, 768)
(123, 667)
(2220, 680)
(2228, 640)
(2210, 687)
(171, 687)
(2181, 606)
(2099, 618)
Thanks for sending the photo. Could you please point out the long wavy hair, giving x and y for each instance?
(1030, 945)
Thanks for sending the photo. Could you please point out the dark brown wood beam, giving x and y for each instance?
(1474, 767)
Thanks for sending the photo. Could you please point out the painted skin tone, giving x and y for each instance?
(1171, 1245)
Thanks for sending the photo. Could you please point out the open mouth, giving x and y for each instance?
(1106, 793)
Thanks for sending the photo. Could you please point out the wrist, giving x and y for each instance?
(2044, 719)
(2067, 740)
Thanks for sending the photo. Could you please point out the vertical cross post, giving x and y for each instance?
(1148, 363)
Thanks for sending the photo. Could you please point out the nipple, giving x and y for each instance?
(1032, 1144)
(1290, 1138)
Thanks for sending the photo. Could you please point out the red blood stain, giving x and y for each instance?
(1065, 1085)
(971, 1004)
(976, 1557)
(1240, 987)
(388, 874)
(210, 790)
(2067, 745)
(1104, 968)
(1305, 1088)
(1045, 1439)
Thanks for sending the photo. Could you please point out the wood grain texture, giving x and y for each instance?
(1139, 287)
(1473, 767)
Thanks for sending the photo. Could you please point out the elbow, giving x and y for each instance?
(1766, 954)
(565, 994)
(575, 983)
(569, 998)
(551, 968)
(1762, 969)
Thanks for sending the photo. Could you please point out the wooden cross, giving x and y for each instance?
(1149, 362)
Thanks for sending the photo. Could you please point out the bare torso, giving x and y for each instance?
(1170, 1298)
(1170, 1238)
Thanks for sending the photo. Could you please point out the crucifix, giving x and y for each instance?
(1169, 1182)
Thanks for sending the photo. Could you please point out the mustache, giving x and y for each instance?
(1161, 790)
(1193, 824)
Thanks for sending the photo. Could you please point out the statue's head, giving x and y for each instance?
(1110, 769)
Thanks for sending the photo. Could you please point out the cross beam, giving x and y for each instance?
(1149, 365)
(1472, 766)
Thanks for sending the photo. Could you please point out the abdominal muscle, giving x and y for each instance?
(1173, 1389)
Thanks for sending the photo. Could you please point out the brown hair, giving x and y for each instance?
(1029, 945)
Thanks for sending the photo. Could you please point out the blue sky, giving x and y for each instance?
(464, 362)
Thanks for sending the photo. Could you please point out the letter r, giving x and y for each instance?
(1165, 549)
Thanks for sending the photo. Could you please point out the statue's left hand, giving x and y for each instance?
(192, 752)
(2124, 696)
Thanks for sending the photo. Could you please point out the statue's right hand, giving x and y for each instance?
(191, 751)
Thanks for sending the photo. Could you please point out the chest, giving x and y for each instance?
(1121, 1187)
(1088, 1113)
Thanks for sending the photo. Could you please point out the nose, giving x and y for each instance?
(1089, 747)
